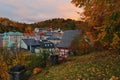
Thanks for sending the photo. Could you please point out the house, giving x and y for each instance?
(58, 34)
(30, 44)
(35, 46)
(28, 36)
(11, 40)
(45, 33)
(46, 45)
(39, 35)
(66, 40)
(15, 38)
(43, 30)
(42, 33)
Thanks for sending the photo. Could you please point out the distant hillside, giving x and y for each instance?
(61, 23)
(64, 24)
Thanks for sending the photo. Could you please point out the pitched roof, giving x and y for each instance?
(47, 44)
(41, 33)
(31, 42)
(48, 34)
(28, 34)
(5, 37)
(14, 33)
(57, 34)
(67, 38)
(53, 38)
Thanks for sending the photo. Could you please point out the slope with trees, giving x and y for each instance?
(64, 24)
(103, 19)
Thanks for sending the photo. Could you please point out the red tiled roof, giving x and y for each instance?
(60, 34)
(28, 34)
(40, 33)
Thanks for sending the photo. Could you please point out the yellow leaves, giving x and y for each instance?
(28, 29)
(116, 38)
(101, 36)
(9, 60)
(3, 69)
(104, 14)
(115, 43)
(113, 78)
(37, 70)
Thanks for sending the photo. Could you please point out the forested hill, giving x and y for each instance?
(61, 23)
(9, 25)
(64, 24)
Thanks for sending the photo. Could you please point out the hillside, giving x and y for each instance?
(9, 25)
(64, 24)
(95, 66)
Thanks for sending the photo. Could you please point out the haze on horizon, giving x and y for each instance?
(30, 11)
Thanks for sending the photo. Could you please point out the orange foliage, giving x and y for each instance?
(8, 60)
(37, 70)
(85, 48)
(3, 70)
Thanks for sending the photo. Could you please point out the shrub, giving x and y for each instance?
(28, 73)
(38, 60)
(85, 48)
(35, 61)
(8, 60)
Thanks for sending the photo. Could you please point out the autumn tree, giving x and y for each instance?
(103, 17)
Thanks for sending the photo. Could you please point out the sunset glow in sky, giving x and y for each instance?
(37, 10)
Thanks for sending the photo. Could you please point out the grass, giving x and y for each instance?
(95, 66)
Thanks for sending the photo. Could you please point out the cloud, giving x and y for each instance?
(37, 10)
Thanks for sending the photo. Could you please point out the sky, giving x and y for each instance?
(30, 11)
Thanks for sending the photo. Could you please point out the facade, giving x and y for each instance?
(5, 39)
(11, 40)
(49, 46)
(46, 45)
(15, 38)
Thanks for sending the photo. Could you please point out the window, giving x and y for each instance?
(50, 44)
(47, 44)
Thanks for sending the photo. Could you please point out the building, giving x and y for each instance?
(47, 45)
(66, 40)
(5, 39)
(30, 44)
(11, 40)
(42, 30)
